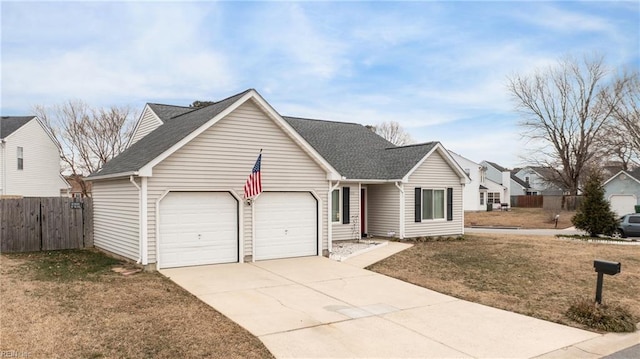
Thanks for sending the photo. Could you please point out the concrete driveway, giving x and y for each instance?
(315, 307)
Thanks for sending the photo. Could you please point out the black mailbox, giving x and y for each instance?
(606, 267)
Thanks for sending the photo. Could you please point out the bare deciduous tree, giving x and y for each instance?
(627, 110)
(564, 109)
(393, 132)
(86, 137)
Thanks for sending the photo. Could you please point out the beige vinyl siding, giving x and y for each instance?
(434, 173)
(148, 122)
(116, 217)
(350, 230)
(221, 159)
(40, 176)
(384, 209)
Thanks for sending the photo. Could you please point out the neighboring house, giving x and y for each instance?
(29, 159)
(623, 191)
(540, 181)
(478, 186)
(175, 196)
(511, 185)
(75, 191)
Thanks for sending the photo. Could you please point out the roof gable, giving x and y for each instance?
(10, 124)
(162, 139)
(142, 156)
(634, 175)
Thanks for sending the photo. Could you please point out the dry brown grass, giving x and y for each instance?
(536, 276)
(71, 305)
(535, 218)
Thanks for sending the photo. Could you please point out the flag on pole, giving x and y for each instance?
(253, 186)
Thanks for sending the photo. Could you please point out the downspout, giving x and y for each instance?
(402, 219)
(145, 222)
(330, 220)
(139, 220)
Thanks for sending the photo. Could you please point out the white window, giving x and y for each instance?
(433, 204)
(482, 199)
(335, 205)
(493, 197)
(20, 158)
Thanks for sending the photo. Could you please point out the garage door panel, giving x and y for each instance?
(286, 225)
(622, 204)
(198, 228)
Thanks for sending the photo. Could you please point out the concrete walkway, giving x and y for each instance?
(313, 307)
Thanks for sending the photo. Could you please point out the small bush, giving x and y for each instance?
(610, 318)
(435, 239)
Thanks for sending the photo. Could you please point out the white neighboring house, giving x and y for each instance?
(479, 190)
(537, 180)
(29, 159)
(623, 191)
(511, 184)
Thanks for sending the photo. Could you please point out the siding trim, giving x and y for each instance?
(139, 122)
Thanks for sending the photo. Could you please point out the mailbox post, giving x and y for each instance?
(604, 267)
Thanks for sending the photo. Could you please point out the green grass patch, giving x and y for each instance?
(610, 318)
(67, 265)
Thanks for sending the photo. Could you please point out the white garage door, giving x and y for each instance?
(623, 204)
(198, 228)
(286, 225)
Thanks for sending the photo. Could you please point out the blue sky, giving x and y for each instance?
(437, 68)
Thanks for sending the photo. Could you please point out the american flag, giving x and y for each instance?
(253, 187)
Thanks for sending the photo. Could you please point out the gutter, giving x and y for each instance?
(113, 175)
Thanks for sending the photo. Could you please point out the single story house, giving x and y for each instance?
(174, 197)
(29, 159)
(623, 191)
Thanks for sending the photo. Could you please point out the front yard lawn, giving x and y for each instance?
(535, 218)
(533, 275)
(70, 304)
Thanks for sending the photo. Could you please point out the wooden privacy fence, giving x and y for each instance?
(45, 223)
(527, 201)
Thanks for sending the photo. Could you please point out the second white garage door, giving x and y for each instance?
(286, 225)
(623, 204)
(198, 228)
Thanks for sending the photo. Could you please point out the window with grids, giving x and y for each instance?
(493, 197)
(433, 204)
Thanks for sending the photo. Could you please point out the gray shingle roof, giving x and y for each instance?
(9, 124)
(166, 112)
(163, 137)
(352, 149)
(635, 173)
(356, 152)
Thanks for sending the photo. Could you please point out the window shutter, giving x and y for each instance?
(418, 204)
(449, 204)
(345, 205)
